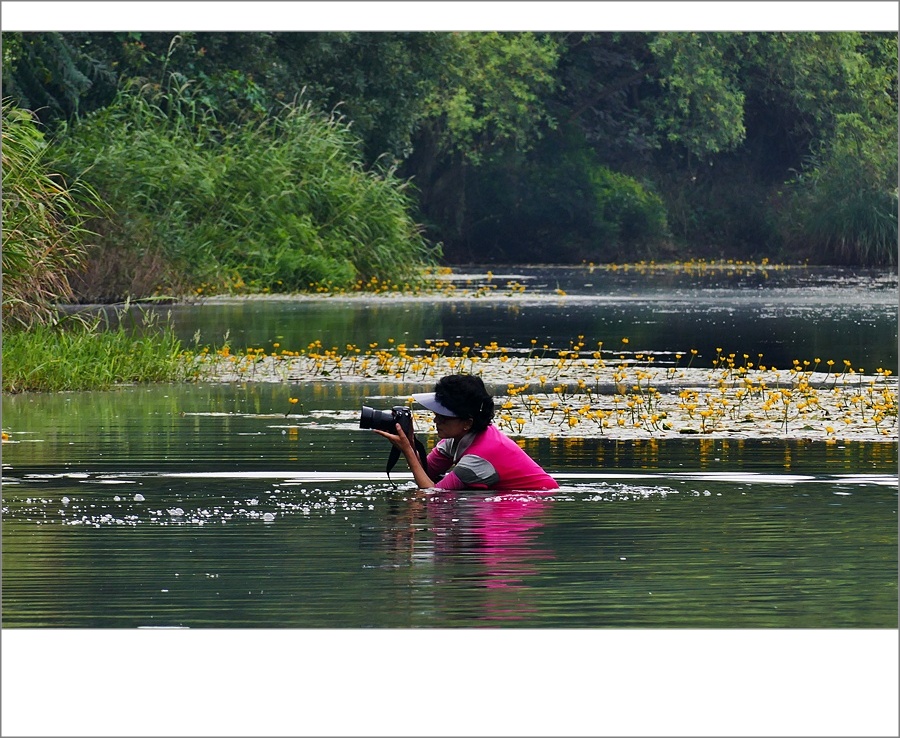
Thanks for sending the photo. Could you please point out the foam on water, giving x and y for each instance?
(282, 493)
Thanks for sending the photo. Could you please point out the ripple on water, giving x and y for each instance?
(291, 493)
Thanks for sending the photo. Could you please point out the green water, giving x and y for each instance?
(205, 505)
(250, 519)
(784, 315)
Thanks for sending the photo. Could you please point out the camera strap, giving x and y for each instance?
(394, 456)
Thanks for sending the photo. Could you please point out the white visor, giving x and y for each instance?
(428, 401)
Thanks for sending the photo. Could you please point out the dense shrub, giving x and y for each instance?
(559, 204)
(636, 216)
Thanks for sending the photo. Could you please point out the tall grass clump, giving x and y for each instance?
(43, 224)
(91, 355)
(846, 198)
(273, 203)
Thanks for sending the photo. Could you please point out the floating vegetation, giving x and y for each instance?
(728, 267)
(431, 281)
(442, 281)
(583, 390)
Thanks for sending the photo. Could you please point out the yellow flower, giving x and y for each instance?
(293, 400)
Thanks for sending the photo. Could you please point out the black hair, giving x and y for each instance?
(466, 395)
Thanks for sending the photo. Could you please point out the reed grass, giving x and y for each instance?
(80, 355)
(43, 224)
(273, 204)
(860, 228)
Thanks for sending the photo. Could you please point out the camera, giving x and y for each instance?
(386, 420)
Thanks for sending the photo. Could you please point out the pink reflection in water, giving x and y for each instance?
(502, 531)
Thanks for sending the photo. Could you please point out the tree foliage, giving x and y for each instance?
(703, 108)
(739, 134)
(490, 93)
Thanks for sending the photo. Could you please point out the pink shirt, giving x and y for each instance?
(486, 460)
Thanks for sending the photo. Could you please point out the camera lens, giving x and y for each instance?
(377, 419)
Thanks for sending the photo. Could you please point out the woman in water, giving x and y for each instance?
(471, 452)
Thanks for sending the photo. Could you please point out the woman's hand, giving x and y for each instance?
(404, 442)
(399, 439)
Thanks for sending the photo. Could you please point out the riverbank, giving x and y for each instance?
(577, 393)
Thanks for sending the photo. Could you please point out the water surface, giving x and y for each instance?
(787, 314)
(195, 507)
(224, 505)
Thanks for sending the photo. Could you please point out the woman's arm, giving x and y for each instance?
(404, 443)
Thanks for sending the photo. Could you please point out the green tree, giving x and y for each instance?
(781, 97)
(605, 91)
(490, 92)
(488, 100)
(379, 81)
(52, 74)
(730, 129)
(703, 106)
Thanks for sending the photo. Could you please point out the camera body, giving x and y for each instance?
(386, 420)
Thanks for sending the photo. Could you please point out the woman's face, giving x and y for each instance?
(448, 427)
